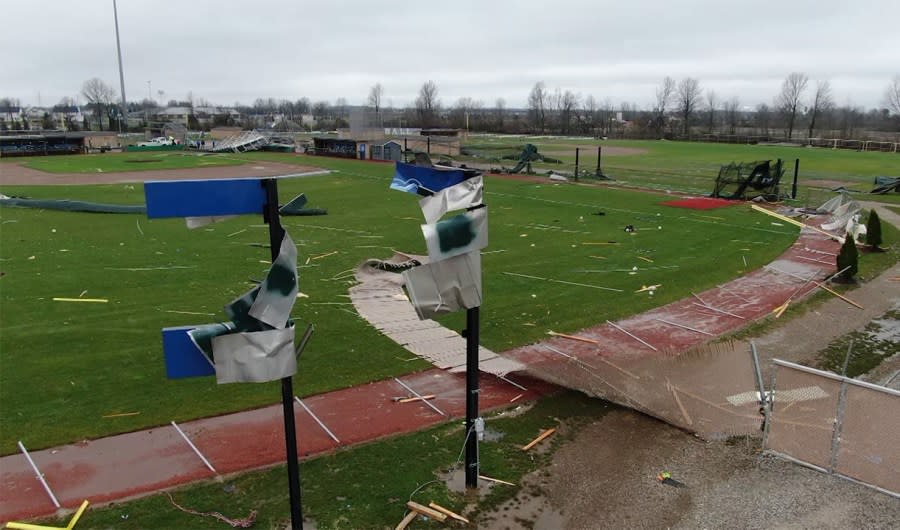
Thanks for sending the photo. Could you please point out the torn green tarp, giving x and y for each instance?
(278, 291)
(257, 344)
(67, 205)
(458, 235)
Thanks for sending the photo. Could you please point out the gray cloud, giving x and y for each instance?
(227, 51)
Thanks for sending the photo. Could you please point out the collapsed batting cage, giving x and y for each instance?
(748, 180)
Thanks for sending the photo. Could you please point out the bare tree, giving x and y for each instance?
(821, 103)
(589, 114)
(427, 104)
(375, 95)
(731, 114)
(788, 100)
(537, 105)
(99, 95)
(711, 100)
(499, 114)
(664, 94)
(688, 99)
(892, 95)
(763, 117)
(567, 105)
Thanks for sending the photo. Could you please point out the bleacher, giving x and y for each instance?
(242, 142)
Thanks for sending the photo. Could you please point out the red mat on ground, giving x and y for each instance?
(700, 203)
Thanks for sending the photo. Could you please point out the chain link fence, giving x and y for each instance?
(836, 425)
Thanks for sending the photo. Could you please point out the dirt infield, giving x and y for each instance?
(17, 174)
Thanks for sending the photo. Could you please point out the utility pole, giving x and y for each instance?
(121, 74)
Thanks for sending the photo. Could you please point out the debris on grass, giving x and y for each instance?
(408, 518)
(245, 522)
(90, 300)
(539, 439)
(120, 415)
(496, 480)
(426, 511)
(447, 512)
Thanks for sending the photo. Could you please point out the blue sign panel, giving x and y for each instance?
(202, 198)
(183, 358)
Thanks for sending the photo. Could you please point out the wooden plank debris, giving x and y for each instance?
(90, 300)
(796, 223)
(447, 512)
(497, 480)
(572, 337)
(406, 520)
(426, 511)
(539, 439)
(415, 398)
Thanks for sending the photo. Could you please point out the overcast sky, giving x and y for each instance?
(227, 51)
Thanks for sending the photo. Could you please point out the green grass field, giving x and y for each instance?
(693, 166)
(84, 361)
(63, 366)
(115, 162)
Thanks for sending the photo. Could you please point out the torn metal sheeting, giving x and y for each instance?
(445, 286)
(255, 357)
(460, 196)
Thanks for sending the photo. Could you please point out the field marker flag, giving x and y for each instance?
(460, 196)
(461, 234)
(424, 180)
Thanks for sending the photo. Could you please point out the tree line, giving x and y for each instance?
(801, 108)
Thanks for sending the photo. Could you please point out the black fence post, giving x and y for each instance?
(796, 172)
(599, 157)
(428, 144)
(577, 149)
(276, 234)
(472, 332)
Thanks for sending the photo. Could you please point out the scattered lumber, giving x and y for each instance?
(447, 512)
(426, 511)
(539, 439)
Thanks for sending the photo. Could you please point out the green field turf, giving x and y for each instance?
(116, 162)
(693, 166)
(65, 365)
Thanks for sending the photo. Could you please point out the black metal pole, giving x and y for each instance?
(276, 234)
(428, 144)
(599, 156)
(576, 163)
(796, 172)
(472, 325)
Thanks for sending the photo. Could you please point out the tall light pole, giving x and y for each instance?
(121, 74)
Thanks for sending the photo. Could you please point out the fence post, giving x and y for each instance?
(796, 172)
(577, 150)
(770, 408)
(838, 425)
